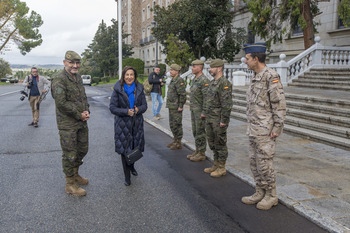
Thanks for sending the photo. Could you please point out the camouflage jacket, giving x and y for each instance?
(70, 100)
(198, 92)
(218, 102)
(266, 104)
(176, 97)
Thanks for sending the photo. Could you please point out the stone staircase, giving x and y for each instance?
(331, 79)
(316, 118)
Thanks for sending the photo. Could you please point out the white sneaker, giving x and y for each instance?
(155, 118)
(159, 116)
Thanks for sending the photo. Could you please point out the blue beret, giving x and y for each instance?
(255, 48)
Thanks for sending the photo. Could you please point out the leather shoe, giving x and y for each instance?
(134, 172)
(127, 182)
(31, 124)
(35, 125)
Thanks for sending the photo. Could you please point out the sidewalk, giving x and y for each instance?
(313, 179)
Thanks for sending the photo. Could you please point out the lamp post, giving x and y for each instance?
(120, 49)
(154, 23)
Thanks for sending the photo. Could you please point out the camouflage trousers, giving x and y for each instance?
(217, 139)
(75, 145)
(198, 130)
(175, 122)
(261, 153)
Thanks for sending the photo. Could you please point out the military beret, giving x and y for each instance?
(71, 55)
(197, 62)
(175, 67)
(216, 63)
(255, 48)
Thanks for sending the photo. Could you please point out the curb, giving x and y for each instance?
(304, 210)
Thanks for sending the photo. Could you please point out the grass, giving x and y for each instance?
(2, 83)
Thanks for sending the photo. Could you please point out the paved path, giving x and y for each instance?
(313, 179)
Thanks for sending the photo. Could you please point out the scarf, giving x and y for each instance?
(130, 92)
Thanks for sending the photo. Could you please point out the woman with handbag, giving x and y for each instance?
(128, 103)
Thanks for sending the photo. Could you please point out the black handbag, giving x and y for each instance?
(135, 154)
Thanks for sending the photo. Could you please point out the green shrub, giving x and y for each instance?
(96, 80)
(162, 69)
(137, 63)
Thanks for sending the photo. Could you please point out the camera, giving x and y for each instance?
(30, 83)
(24, 95)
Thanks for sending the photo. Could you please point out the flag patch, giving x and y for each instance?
(206, 84)
(225, 88)
(182, 84)
(275, 81)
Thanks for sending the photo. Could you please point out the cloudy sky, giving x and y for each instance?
(68, 25)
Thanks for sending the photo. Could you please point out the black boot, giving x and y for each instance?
(126, 169)
(133, 171)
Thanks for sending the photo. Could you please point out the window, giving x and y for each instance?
(143, 33)
(251, 36)
(340, 21)
(242, 4)
(298, 31)
(143, 14)
(148, 11)
(160, 3)
(148, 31)
(167, 3)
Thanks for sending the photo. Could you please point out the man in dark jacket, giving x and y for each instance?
(156, 93)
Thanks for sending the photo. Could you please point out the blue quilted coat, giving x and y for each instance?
(119, 106)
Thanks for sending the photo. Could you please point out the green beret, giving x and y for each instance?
(71, 55)
(175, 67)
(197, 62)
(216, 63)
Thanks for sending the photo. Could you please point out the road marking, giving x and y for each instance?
(10, 93)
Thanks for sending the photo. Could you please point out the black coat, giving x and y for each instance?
(153, 78)
(119, 106)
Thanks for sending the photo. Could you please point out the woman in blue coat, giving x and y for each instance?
(128, 98)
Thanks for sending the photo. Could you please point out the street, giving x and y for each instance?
(171, 194)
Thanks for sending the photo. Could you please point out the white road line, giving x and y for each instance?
(10, 93)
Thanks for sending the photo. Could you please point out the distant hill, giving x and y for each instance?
(48, 66)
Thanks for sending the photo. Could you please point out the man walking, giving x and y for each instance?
(156, 92)
(72, 113)
(198, 92)
(217, 109)
(176, 98)
(266, 111)
(37, 85)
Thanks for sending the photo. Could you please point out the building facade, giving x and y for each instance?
(137, 17)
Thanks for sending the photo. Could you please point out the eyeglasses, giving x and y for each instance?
(72, 63)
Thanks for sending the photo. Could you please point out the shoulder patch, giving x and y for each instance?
(207, 84)
(225, 88)
(181, 83)
(275, 80)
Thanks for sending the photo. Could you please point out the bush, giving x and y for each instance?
(162, 69)
(96, 80)
(137, 63)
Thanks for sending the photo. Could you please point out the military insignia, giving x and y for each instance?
(275, 81)
(207, 84)
(225, 88)
(182, 84)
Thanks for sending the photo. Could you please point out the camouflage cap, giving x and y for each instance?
(71, 55)
(175, 67)
(216, 63)
(197, 62)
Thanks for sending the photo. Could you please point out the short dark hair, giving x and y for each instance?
(126, 68)
(261, 56)
(33, 68)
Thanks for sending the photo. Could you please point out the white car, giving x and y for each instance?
(86, 79)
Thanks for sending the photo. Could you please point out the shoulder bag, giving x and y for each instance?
(135, 154)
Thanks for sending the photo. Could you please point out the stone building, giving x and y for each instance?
(138, 17)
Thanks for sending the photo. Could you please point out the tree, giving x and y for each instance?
(272, 19)
(17, 26)
(206, 29)
(4, 68)
(344, 12)
(101, 56)
(178, 52)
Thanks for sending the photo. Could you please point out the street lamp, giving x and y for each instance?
(154, 23)
(120, 49)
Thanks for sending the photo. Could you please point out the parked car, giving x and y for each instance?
(86, 79)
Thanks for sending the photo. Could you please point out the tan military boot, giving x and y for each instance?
(78, 179)
(192, 155)
(212, 168)
(198, 157)
(269, 200)
(171, 143)
(177, 145)
(73, 188)
(220, 171)
(255, 198)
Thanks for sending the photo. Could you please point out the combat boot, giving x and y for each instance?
(171, 143)
(177, 145)
(220, 171)
(192, 155)
(78, 179)
(212, 168)
(269, 200)
(255, 198)
(198, 157)
(73, 188)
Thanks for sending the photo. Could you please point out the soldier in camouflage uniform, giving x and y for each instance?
(176, 98)
(72, 113)
(266, 111)
(217, 109)
(198, 92)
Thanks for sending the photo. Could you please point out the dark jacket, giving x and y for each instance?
(119, 106)
(153, 78)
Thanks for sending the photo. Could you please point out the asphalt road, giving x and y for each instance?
(171, 194)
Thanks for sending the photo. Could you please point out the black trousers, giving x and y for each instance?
(127, 168)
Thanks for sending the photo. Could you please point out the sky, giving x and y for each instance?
(68, 25)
